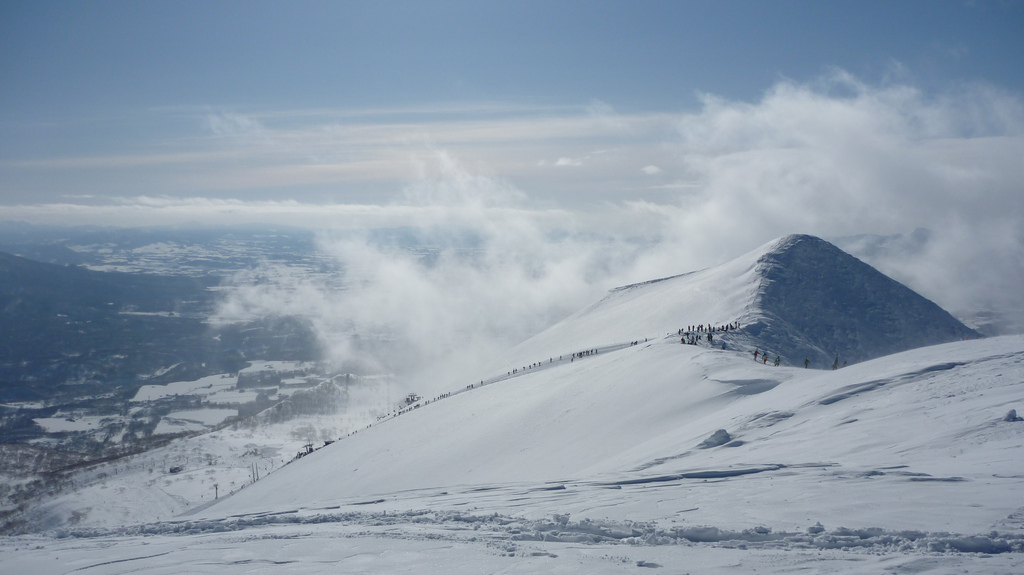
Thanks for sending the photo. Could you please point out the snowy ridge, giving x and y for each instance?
(798, 296)
(654, 310)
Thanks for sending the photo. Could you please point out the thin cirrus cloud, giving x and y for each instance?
(832, 151)
(284, 153)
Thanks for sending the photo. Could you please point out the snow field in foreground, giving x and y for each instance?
(902, 464)
(465, 543)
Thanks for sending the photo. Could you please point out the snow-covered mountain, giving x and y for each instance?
(645, 452)
(799, 297)
(819, 301)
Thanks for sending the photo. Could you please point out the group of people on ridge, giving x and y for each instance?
(695, 333)
(764, 357)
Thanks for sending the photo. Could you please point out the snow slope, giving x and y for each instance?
(909, 441)
(902, 464)
(651, 455)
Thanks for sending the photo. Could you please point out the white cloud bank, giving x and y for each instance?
(444, 315)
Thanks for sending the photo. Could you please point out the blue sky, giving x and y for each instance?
(179, 99)
(854, 116)
(66, 60)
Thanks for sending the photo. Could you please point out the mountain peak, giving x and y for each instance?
(802, 243)
(798, 296)
(817, 301)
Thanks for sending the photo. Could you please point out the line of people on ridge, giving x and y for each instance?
(778, 360)
(576, 355)
(695, 333)
(708, 328)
